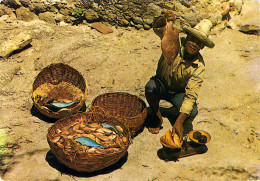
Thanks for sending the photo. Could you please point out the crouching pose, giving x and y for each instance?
(179, 73)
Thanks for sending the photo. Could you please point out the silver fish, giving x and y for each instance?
(55, 106)
(88, 142)
(109, 126)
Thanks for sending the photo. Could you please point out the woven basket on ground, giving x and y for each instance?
(82, 160)
(127, 108)
(59, 82)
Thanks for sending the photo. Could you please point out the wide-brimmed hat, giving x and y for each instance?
(201, 31)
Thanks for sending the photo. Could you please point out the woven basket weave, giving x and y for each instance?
(86, 162)
(59, 81)
(127, 108)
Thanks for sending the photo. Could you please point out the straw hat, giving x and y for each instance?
(201, 31)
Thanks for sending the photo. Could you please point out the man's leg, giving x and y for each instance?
(176, 101)
(153, 89)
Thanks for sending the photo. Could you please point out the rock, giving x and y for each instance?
(91, 15)
(62, 23)
(137, 20)
(236, 5)
(59, 17)
(25, 14)
(250, 29)
(182, 9)
(13, 3)
(249, 20)
(169, 5)
(138, 27)
(25, 3)
(232, 25)
(49, 17)
(147, 27)
(153, 10)
(4, 10)
(109, 17)
(16, 43)
(215, 18)
(53, 9)
(191, 18)
(119, 6)
(66, 11)
(123, 22)
(185, 3)
(101, 27)
(37, 8)
(194, 18)
(148, 21)
(4, 18)
(69, 19)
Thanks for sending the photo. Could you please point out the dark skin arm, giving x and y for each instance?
(178, 125)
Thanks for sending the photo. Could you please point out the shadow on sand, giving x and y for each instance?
(189, 149)
(54, 162)
(35, 112)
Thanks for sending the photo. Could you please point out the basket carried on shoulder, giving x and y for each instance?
(127, 108)
(61, 138)
(59, 90)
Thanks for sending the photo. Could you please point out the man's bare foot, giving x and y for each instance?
(155, 124)
(154, 130)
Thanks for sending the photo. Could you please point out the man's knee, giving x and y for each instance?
(152, 87)
(194, 112)
(149, 87)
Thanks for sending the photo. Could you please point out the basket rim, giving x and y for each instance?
(53, 64)
(126, 93)
(45, 109)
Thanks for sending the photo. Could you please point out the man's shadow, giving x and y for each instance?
(54, 162)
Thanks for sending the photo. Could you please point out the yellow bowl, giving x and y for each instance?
(202, 133)
(166, 144)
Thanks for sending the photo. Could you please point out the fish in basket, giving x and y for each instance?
(127, 108)
(90, 141)
(59, 90)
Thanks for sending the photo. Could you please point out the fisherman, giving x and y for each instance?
(179, 73)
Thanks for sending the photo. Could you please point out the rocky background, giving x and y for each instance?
(132, 13)
(34, 34)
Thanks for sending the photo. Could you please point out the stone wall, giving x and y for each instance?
(134, 13)
(234, 14)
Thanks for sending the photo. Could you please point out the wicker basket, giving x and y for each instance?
(86, 162)
(59, 82)
(128, 109)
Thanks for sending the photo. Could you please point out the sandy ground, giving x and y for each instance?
(124, 61)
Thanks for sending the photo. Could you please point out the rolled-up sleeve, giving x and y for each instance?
(192, 90)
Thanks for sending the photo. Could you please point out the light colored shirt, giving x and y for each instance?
(182, 76)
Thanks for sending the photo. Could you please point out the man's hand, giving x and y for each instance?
(169, 15)
(178, 129)
(162, 21)
(178, 125)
